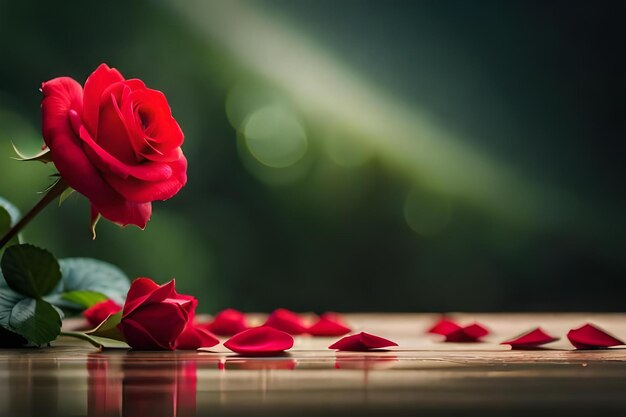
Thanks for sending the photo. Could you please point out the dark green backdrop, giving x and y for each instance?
(352, 155)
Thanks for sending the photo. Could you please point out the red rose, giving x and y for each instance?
(115, 142)
(157, 317)
(97, 313)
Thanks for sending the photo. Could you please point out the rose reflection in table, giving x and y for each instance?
(133, 383)
(131, 387)
(157, 385)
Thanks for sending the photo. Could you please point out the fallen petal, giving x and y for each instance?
(287, 321)
(532, 338)
(228, 322)
(467, 334)
(97, 313)
(444, 327)
(361, 342)
(328, 325)
(589, 336)
(260, 341)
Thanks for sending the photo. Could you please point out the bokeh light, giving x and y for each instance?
(275, 137)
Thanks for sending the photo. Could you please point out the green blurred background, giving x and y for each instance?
(352, 155)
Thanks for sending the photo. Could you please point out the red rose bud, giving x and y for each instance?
(115, 142)
(329, 324)
(228, 322)
(444, 326)
(260, 341)
(592, 337)
(468, 334)
(361, 342)
(154, 315)
(533, 338)
(98, 312)
(287, 321)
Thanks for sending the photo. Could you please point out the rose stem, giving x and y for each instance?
(55, 191)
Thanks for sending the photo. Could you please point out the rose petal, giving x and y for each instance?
(153, 120)
(467, 334)
(140, 191)
(361, 342)
(589, 336)
(228, 322)
(112, 133)
(143, 288)
(195, 337)
(147, 170)
(444, 326)
(96, 83)
(123, 212)
(98, 312)
(328, 325)
(532, 338)
(287, 321)
(260, 341)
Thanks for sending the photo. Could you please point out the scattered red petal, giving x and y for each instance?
(444, 326)
(361, 342)
(533, 338)
(228, 322)
(329, 324)
(98, 312)
(260, 341)
(592, 337)
(287, 321)
(467, 334)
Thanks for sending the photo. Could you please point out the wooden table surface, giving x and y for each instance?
(423, 376)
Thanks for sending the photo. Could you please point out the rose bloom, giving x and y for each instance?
(115, 142)
(98, 312)
(157, 317)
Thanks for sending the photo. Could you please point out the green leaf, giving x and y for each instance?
(36, 320)
(86, 274)
(84, 298)
(30, 270)
(99, 342)
(23, 321)
(108, 328)
(8, 300)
